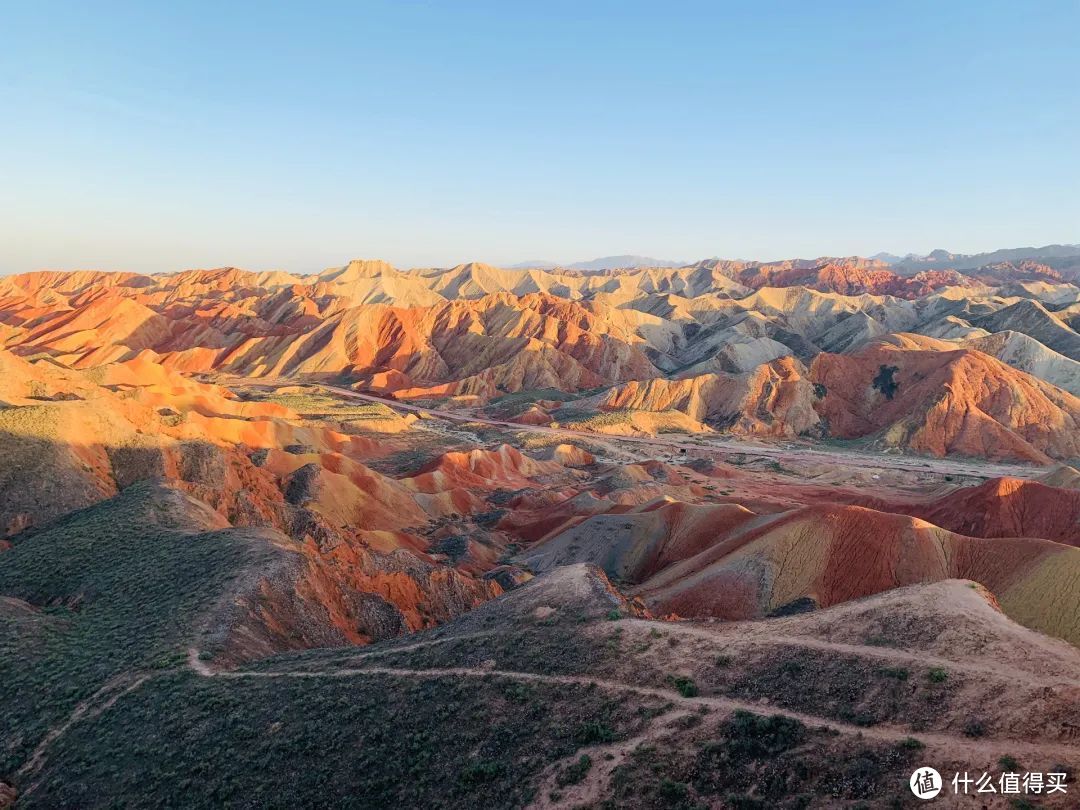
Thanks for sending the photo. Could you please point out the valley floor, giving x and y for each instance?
(726, 445)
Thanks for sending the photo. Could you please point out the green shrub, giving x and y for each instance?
(672, 791)
(751, 736)
(576, 772)
(593, 732)
(480, 772)
(974, 728)
(685, 685)
(791, 668)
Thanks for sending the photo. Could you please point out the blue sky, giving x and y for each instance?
(157, 136)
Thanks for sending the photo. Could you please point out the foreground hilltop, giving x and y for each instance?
(559, 694)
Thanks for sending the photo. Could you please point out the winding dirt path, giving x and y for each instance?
(605, 759)
(203, 668)
(420, 645)
(983, 749)
(91, 707)
(891, 654)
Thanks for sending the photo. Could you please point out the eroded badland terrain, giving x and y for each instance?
(731, 535)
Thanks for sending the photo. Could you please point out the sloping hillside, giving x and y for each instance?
(559, 694)
(942, 402)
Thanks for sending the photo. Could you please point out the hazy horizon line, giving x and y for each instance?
(536, 263)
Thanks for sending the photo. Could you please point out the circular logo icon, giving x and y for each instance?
(925, 783)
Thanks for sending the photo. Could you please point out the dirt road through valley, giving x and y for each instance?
(727, 445)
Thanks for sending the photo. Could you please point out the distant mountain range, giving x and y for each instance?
(1056, 256)
(599, 265)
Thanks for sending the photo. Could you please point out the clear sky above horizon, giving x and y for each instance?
(154, 136)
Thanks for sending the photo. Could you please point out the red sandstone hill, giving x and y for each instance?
(396, 332)
(832, 554)
(775, 399)
(943, 402)
(504, 466)
(73, 439)
(1007, 272)
(847, 276)
(934, 401)
(262, 325)
(1009, 507)
(851, 279)
(727, 562)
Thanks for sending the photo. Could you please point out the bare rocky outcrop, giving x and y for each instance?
(776, 399)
